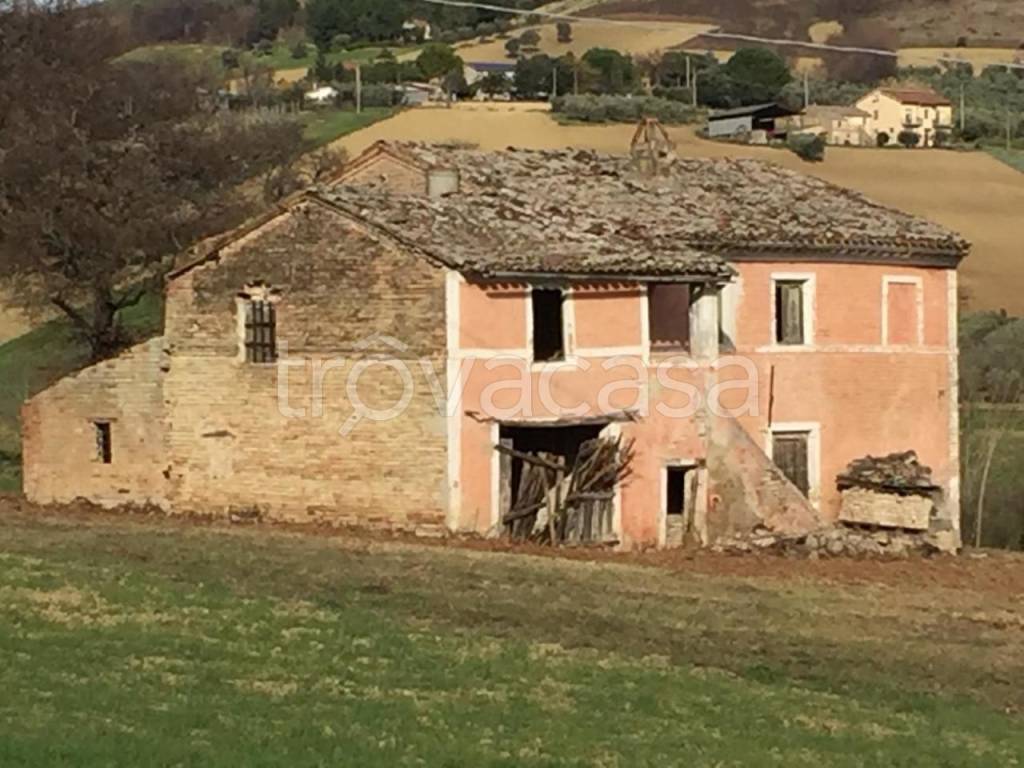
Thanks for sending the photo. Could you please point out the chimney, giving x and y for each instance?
(442, 182)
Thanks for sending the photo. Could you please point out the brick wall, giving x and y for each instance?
(239, 441)
(59, 442)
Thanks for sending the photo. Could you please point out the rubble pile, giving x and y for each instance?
(846, 541)
(896, 473)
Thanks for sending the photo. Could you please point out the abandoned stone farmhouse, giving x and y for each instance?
(420, 343)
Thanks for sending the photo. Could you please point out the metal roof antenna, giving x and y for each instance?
(651, 146)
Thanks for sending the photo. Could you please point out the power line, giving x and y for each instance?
(714, 33)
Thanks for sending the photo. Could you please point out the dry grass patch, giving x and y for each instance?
(635, 37)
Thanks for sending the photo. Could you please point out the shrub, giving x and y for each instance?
(300, 51)
(229, 58)
(378, 96)
(512, 48)
(623, 109)
(341, 41)
(882, 139)
(909, 139)
(564, 31)
(530, 38)
(807, 146)
(263, 48)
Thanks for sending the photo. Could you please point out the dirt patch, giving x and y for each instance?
(980, 571)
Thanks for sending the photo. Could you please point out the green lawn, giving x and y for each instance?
(325, 125)
(129, 644)
(37, 359)
(1012, 157)
(192, 53)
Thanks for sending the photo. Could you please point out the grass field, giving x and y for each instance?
(970, 192)
(135, 643)
(327, 125)
(1012, 157)
(629, 37)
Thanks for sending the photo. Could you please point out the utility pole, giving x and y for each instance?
(807, 90)
(359, 89)
(963, 110)
(575, 78)
(554, 82)
(693, 86)
(687, 72)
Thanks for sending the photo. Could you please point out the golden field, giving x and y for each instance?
(978, 57)
(969, 192)
(628, 36)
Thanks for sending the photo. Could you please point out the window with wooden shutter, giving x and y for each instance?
(790, 454)
(260, 331)
(668, 314)
(789, 312)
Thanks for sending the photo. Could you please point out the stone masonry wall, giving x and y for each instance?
(61, 459)
(254, 439)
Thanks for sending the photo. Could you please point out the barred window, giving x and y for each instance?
(260, 331)
(104, 442)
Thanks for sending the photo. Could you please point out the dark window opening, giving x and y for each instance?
(789, 452)
(668, 315)
(680, 494)
(104, 446)
(260, 332)
(789, 312)
(548, 342)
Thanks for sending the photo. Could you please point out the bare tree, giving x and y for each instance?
(108, 169)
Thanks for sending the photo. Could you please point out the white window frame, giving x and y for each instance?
(813, 430)
(690, 464)
(810, 290)
(568, 329)
(918, 284)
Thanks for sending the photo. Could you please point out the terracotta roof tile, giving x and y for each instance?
(578, 210)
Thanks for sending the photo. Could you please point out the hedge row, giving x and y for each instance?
(624, 109)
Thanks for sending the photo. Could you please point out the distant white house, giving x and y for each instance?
(325, 94)
(838, 124)
(916, 110)
(477, 70)
(414, 94)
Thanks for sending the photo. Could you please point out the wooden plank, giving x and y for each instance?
(530, 458)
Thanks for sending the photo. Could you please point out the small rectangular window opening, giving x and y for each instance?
(790, 454)
(548, 340)
(104, 447)
(668, 314)
(260, 332)
(679, 505)
(789, 312)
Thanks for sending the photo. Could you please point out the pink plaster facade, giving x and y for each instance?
(876, 374)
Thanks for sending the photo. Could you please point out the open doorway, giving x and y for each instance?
(680, 486)
(558, 483)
